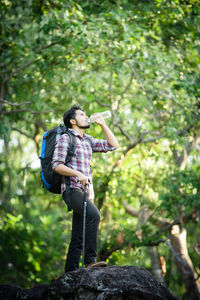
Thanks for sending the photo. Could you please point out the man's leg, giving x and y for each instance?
(91, 234)
(74, 251)
(92, 224)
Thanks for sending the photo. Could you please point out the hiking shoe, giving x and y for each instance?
(96, 264)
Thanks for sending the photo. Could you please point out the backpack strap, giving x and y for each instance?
(72, 147)
(70, 154)
(90, 142)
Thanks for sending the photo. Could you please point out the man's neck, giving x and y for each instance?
(79, 130)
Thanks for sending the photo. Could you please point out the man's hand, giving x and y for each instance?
(111, 139)
(83, 179)
(98, 119)
(108, 133)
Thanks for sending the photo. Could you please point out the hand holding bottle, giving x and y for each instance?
(94, 118)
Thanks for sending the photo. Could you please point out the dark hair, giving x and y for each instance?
(70, 114)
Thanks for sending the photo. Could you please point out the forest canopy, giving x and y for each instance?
(140, 60)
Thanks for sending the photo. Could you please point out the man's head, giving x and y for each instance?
(75, 116)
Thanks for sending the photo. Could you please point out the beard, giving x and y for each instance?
(82, 126)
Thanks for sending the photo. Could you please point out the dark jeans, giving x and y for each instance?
(91, 231)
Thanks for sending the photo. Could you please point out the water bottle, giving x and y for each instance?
(105, 114)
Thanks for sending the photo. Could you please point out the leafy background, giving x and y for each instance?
(139, 59)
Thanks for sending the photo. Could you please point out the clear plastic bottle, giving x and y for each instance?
(105, 114)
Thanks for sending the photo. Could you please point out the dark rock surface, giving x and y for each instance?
(111, 283)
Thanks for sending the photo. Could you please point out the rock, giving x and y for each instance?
(111, 283)
(8, 292)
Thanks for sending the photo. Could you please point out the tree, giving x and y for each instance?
(138, 59)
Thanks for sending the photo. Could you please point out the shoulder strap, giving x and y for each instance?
(72, 147)
(90, 142)
(71, 152)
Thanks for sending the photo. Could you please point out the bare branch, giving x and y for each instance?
(123, 131)
(133, 143)
(158, 136)
(14, 104)
(27, 64)
(187, 128)
(24, 110)
(130, 210)
(126, 88)
(18, 70)
(105, 253)
(163, 223)
(135, 213)
(8, 78)
(148, 98)
(103, 105)
(154, 139)
(15, 72)
(181, 158)
(155, 243)
(110, 85)
(151, 132)
(48, 46)
(184, 107)
(128, 85)
(176, 255)
(23, 133)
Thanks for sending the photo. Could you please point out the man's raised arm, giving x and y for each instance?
(111, 139)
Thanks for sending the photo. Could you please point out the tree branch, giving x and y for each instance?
(110, 85)
(122, 130)
(181, 158)
(24, 110)
(163, 223)
(18, 70)
(15, 72)
(48, 46)
(103, 105)
(8, 78)
(153, 139)
(14, 104)
(125, 89)
(105, 253)
(176, 255)
(148, 98)
(130, 210)
(23, 133)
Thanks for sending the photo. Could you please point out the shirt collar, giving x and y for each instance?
(74, 132)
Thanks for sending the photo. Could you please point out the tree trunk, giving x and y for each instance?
(155, 264)
(143, 216)
(179, 249)
(184, 263)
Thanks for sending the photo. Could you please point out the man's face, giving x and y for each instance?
(81, 119)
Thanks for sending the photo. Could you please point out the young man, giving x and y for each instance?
(80, 174)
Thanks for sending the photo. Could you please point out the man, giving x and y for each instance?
(80, 174)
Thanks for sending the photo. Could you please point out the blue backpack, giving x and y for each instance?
(50, 179)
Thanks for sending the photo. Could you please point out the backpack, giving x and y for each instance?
(50, 179)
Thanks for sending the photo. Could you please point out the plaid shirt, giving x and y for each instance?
(82, 160)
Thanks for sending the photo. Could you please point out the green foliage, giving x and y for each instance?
(139, 59)
(32, 243)
(182, 192)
